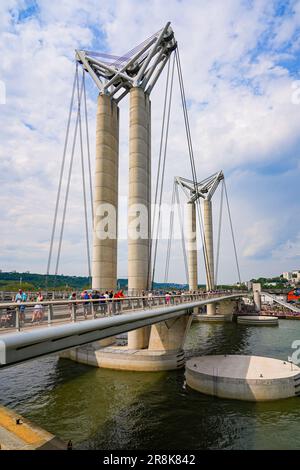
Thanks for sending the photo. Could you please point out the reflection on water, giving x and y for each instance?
(103, 409)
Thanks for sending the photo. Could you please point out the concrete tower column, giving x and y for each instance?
(256, 287)
(192, 246)
(257, 300)
(139, 203)
(209, 252)
(104, 266)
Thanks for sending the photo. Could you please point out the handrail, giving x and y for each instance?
(5, 305)
(15, 314)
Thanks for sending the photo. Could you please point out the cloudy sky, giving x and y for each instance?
(240, 61)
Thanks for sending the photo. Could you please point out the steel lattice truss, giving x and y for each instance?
(140, 66)
(205, 188)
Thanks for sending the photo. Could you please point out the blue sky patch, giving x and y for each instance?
(31, 9)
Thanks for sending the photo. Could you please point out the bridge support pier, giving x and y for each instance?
(104, 262)
(192, 246)
(256, 287)
(139, 204)
(170, 335)
(165, 351)
(209, 252)
(226, 308)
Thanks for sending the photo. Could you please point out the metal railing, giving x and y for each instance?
(20, 315)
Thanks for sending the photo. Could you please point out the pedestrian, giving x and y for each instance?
(38, 311)
(86, 305)
(103, 306)
(20, 298)
(111, 302)
(95, 295)
(144, 299)
(168, 298)
(150, 299)
(72, 305)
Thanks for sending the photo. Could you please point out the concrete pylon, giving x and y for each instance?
(192, 246)
(104, 266)
(209, 252)
(139, 204)
(256, 287)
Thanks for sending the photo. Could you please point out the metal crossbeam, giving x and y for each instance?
(141, 66)
(204, 189)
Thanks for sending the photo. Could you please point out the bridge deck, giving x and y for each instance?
(65, 311)
(24, 345)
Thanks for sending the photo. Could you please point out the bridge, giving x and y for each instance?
(156, 327)
(282, 302)
(38, 341)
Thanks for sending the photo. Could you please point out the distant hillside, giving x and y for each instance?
(12, 281)
(30, 281)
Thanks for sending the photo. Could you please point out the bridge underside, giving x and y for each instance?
(167, 336)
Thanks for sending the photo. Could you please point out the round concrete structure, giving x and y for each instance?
(122, 358)
(211, 318)
(257, 320)
(249, 378)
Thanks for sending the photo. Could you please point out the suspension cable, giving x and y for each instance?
(232, 234)
(170, 235)
(83, 177)
(68, 183)
(88, 146)
(60, 178)
(150, 281)
(163, 166)
(219, 233)
(182, 233)
(192, 161)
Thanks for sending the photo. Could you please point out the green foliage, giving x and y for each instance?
(38, 281)
(15, 286)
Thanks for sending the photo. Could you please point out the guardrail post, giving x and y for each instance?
(50, 314)
(73, 312)
(17, 319)
(93, 309)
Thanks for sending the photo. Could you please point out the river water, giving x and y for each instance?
(105, 409)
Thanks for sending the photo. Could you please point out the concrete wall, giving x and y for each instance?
(192, 246)
(209, 252)
(139, 190)
(169, 335)
(256, 286)
(248, 390)
(104, 264)
(139, 203)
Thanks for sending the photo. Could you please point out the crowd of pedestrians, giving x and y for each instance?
(104, 302)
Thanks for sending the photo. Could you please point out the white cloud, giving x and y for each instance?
(248, 119)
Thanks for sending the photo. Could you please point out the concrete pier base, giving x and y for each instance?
(212, 318)
(122, 358)
(257, 320)
(249, 378)
(165, 351)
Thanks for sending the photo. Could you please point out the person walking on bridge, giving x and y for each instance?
(20, 298)
(38, 311)
(86, 305)
(72, 305)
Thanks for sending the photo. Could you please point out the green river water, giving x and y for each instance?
(105, 409)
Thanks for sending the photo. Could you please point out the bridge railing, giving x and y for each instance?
(20, 315)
